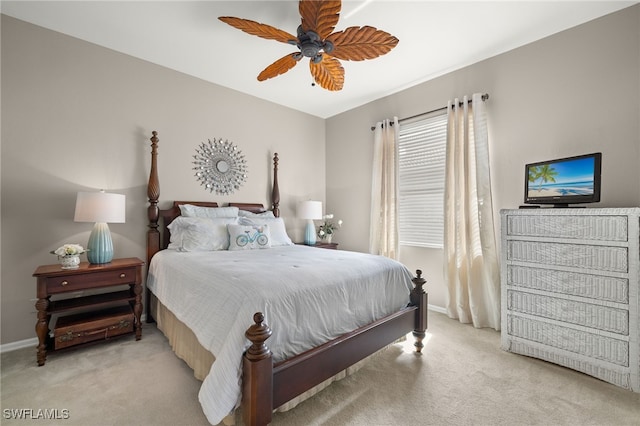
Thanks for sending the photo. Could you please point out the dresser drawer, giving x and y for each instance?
(601, 258)
(603, 228)
(595, 287)
(75, 329)
(579, 342)
(570, 311)
(619, 376)
(71, 282)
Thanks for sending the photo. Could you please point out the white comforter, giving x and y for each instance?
(308, 296)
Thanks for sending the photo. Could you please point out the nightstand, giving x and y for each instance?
(88, 318)
(320, 244)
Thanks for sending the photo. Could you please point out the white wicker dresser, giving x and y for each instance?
(570, 289)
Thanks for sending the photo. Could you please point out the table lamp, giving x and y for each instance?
(100, 207)
(310, 210)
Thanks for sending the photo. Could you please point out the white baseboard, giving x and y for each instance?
(21, 344)
(435, 308)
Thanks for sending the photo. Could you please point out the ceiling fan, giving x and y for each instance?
(317, 41)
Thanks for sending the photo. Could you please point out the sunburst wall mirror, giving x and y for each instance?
(220, 166)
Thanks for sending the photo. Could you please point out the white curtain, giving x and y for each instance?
(383, 238)
(471, 269)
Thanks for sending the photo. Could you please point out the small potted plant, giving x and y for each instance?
(328, 227)
(69, 255)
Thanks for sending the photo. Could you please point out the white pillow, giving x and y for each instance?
(249, 237)
(245, 213)
(189, 210)
(276, 226)
(199, 233)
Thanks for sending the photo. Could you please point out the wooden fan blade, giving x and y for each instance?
(360, 43)
(328, 73)
(258, 29)
(320, 16)
(280, 66)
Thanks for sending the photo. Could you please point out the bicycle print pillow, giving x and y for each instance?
(249, 237)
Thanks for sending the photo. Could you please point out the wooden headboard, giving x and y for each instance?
(158, 233)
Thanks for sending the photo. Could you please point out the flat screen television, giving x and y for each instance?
(564, 181)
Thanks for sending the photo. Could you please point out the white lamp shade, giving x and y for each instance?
(310, 210)
(100, 207)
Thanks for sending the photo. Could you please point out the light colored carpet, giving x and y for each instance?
(463, 378)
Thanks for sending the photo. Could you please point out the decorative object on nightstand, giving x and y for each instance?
(328, 228)
(310, 210)
(69, 255)
(100, 207)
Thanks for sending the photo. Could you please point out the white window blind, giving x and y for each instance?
(421, 168)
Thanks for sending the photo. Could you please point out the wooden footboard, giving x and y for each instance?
(267, 386)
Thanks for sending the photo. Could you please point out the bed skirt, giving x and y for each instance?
(185, 345)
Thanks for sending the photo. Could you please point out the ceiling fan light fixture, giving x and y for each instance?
(309, 43)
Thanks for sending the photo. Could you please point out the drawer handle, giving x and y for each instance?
(63, 283)
(122, 275)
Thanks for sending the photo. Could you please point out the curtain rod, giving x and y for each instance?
(484, 98)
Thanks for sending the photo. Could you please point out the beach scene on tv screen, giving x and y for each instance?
(572, 177)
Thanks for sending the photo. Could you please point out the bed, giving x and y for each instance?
(329, 309)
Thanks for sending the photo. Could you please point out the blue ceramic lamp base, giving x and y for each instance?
(310, 233)
(100, 244)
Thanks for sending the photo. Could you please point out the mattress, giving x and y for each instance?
(308, 295)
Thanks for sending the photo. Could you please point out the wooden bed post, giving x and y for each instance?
(153, 192)
(419, 298)
(257, 371)
(275, 193)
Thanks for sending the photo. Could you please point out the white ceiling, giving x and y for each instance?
(436, 37)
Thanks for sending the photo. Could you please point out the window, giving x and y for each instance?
(421, 173)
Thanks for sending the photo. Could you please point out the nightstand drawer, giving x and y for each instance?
(71, 282)
(75, 329)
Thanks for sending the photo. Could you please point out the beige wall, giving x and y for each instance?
(572, 93)
(78, 117)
